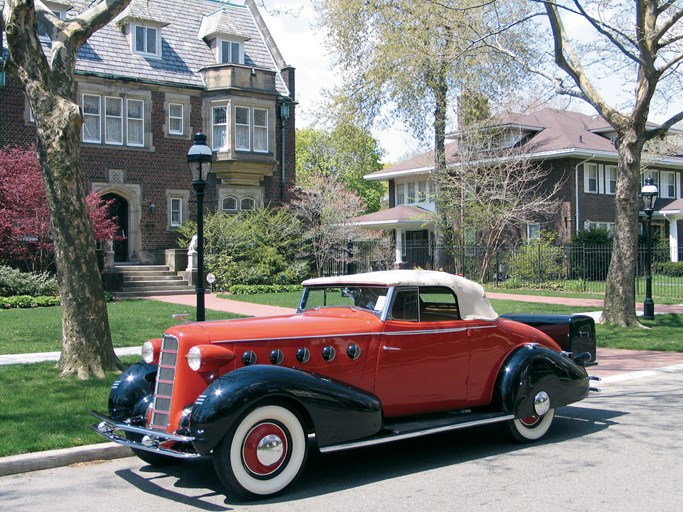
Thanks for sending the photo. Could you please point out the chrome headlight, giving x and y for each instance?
(206, 358)
(148, 352)
(194, 358)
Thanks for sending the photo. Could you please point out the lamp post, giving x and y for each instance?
(199, 158)
(284, 115)
(649, 194)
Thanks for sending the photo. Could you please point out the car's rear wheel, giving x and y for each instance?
(532, 428)
(263, 454)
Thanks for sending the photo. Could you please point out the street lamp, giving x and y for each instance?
(649, 194)
(199, 158)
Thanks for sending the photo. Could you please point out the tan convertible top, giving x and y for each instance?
(472, 300)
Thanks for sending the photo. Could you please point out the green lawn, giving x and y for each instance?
(43, 411)
(131, 322)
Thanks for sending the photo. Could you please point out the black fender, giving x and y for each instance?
(336, 412)
(132, 393)
(533, 368)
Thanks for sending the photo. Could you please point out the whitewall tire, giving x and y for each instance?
(533, 428)
(263, 454)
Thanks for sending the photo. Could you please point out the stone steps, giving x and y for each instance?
(148, 280)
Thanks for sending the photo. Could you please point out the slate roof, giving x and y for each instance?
(551, 134)
(108, 53)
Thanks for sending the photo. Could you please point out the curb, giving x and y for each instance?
(36, 461)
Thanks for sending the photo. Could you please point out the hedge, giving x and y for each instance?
(26, 301)
(251, 289)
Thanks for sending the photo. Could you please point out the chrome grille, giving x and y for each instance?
(161, 407)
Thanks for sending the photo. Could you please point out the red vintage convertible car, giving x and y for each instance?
(367, 359)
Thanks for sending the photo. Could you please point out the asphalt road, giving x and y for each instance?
(621, 451)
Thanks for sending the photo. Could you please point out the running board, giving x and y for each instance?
(407, 430)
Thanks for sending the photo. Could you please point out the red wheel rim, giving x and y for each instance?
(265, 449)
(530, 421)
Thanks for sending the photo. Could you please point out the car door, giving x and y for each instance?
(423, 358)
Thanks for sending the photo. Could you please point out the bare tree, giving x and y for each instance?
(324, 206)
(48, 82)
(493, 187)
(638, 46)
(409, 61)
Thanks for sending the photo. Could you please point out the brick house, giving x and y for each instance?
(578, 149)
(158, 73)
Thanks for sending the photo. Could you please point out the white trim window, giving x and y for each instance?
(176, 211)
(135, 122)
(591, 178)
(610, 179)
(229, 204)
(219, 127)
(248, 204)
(668, 188)
(92, 118)
(422, 195)
(113, 121)
(243, 128)
(175, 119)
(260, 130)
(609, 226)
(146, 41)
(230, 52)
(411, 193)
(400, 193)
(533, 231)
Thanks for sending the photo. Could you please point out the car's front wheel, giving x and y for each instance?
(532, 428)
(263, 453)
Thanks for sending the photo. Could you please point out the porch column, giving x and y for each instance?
(399, 248)
(673, 239)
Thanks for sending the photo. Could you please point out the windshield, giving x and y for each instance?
(371, 298)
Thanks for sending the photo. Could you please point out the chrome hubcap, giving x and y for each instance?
(541, 403)
(270, 450)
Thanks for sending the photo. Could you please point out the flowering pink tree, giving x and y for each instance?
(25, 230)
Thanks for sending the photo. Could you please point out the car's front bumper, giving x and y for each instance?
(153, 441)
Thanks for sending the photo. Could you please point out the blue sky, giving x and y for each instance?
(302, 46)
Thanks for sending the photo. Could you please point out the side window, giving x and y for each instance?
(438, 304)
(405, 305)
(176, 211)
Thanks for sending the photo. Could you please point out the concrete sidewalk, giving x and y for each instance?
(614, 366)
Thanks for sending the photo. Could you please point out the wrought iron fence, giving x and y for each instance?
(571, 267)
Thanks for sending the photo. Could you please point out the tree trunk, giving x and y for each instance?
(86, 340)
(620, 287)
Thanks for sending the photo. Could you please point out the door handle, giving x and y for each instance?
(390, 349)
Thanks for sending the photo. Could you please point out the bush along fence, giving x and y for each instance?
(573, 268)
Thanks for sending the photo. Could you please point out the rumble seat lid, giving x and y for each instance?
(472, 299)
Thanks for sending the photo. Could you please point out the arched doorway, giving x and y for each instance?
(119, 209)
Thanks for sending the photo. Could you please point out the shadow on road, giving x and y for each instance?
(330, 473)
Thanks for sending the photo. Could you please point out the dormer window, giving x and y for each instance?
(230, 52)
(147, 41)
(220, 32)
(142, 30)
(59, 10)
